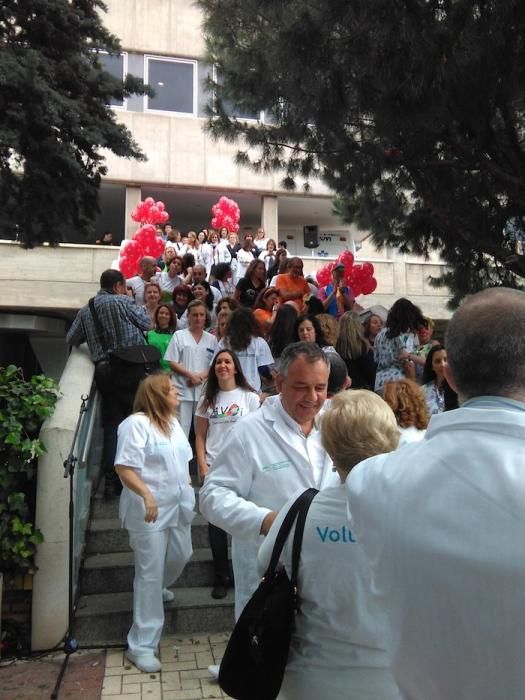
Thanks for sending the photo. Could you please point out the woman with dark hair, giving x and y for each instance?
(308, 329)
(357, 354)
(226, 303)
(165, 326)
(268, 256)
(434, 378)
(395, 345)
(181, 297)
(244, 338)
(408, 402)
(156, 508)
(226, 398)
(222, 278)
(371, 327)
(249, 286)
(202, 291)
(266, 307)
(282, 330)
(172, 276)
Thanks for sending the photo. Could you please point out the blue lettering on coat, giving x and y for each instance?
(339, 534)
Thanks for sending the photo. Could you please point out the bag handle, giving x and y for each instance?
(300, 506)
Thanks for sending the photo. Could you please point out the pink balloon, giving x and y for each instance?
(160, 206)
(164, 216)
(149, 201)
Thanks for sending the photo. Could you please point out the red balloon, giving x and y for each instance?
(369, 285)
(368, 268)
(347, 258)
(324, 276)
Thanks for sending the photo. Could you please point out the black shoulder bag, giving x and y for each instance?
(132, 356)
(255, 659)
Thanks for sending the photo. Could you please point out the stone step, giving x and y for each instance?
(114, 572)
(106, 535)
(107, 617)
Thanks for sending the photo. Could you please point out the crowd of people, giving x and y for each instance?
(410, 579)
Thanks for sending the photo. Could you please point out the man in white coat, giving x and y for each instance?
(442, 520)
(270, 455)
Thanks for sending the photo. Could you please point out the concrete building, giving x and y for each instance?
(41, 289)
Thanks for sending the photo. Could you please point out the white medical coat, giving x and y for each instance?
(337, 648)
(262, 464)
(442, 522)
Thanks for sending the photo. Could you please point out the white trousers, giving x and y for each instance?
(186, 412)
(160, 557)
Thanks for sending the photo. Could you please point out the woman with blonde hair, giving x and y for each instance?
(156, 507)
(338, 646)
(356, 352)
(223, 318)
(330, 328)
(408, 402)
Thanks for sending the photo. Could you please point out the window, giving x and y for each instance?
(116, 66)
(174, 83)
(233, 110)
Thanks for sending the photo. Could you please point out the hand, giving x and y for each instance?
(203, 470)
(267, 522)
(152, 510)
(194, 379)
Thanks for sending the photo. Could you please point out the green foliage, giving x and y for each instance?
(413, 113)
(55, 117)
(24, 405)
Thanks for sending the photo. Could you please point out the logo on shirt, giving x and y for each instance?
(276, 466)
(339, 534)
(232, 411)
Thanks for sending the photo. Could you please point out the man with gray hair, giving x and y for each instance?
(441, 521)
(271, 454)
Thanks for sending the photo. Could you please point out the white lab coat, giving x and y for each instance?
(337, 649)
(261, 465)
(442, 522)
(213, 255)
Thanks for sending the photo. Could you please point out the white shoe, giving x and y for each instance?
(167, 595)
(147, 662)
(213, 670)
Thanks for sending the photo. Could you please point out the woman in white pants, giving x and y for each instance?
(156, 507)
(338, 645)
(189, 354)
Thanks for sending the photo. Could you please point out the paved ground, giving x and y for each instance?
(91, 676)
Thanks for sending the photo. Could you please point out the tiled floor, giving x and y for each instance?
(184, 676)
(91, 676)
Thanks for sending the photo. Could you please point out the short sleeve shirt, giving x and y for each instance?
(195, 357)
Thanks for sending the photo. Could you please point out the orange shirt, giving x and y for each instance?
(263, 317)
(287, 283)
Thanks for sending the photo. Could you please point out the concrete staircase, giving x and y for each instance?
(104, 608)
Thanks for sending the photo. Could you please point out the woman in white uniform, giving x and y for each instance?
(190, 353)
(227, 397)
(156, 507)
(337, 649)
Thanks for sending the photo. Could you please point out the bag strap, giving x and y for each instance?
(98, 325)
(300, 506)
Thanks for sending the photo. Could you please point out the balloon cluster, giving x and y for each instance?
(359, 277)
(226, 213)
(145, 242)
(150, 212)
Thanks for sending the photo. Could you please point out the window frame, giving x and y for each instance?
(171, 59)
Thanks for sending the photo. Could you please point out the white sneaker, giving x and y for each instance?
(167, 595)
(147, 662)
(213, 670)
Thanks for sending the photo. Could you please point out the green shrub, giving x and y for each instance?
(24, 405)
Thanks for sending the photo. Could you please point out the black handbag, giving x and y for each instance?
(254, 662)
(142, 358)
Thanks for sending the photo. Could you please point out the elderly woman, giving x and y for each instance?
(408, 402)
(337, 649)
(156, 508)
